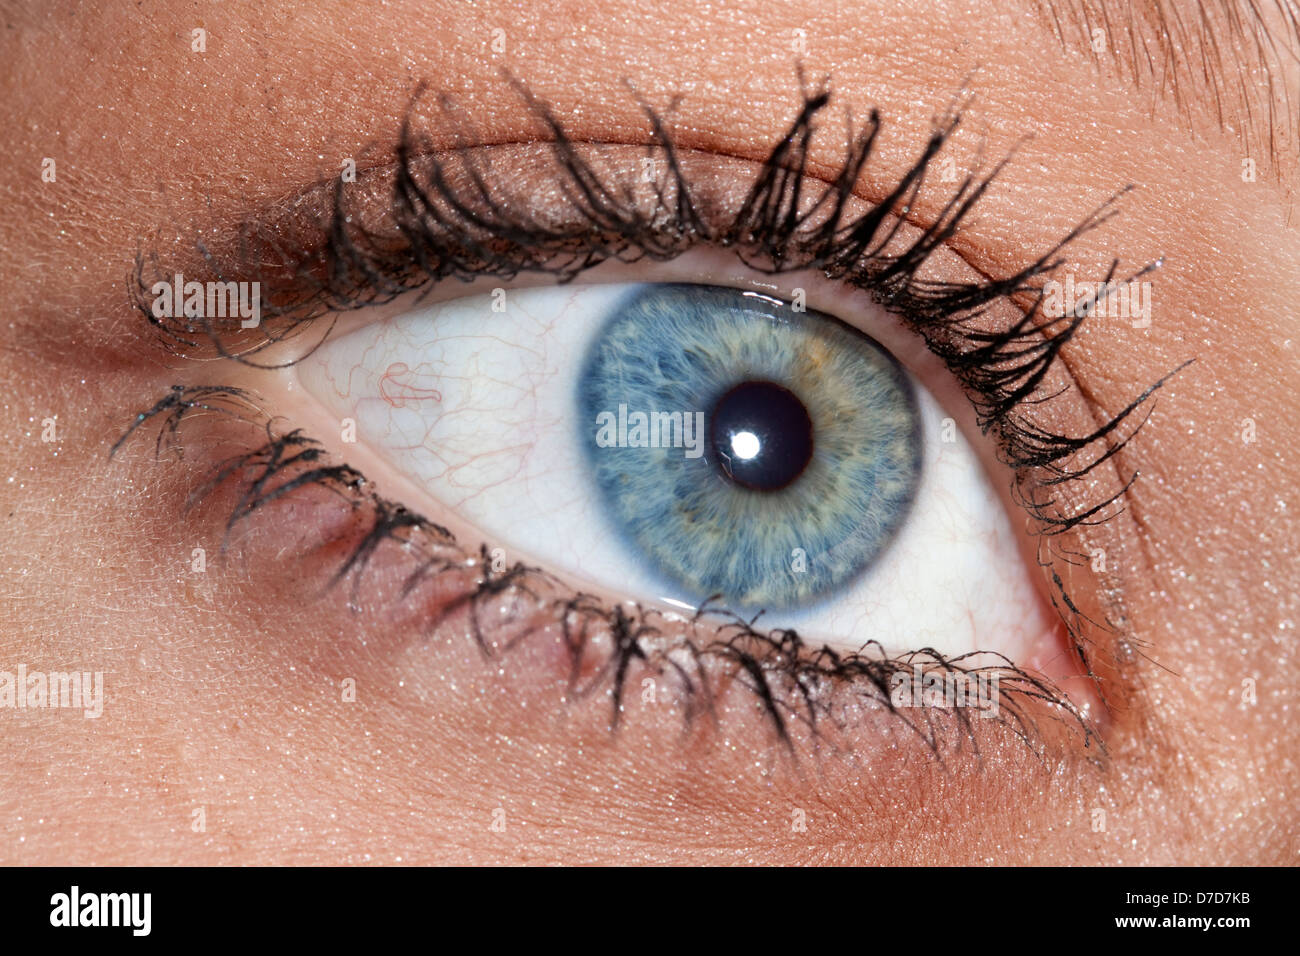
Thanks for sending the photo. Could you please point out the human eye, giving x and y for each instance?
(678, 444)
(744, 309)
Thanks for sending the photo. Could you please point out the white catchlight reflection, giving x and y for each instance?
(745, 445)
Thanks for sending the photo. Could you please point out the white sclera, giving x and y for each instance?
(477, 406)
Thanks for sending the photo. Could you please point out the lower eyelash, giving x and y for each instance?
(794, 683)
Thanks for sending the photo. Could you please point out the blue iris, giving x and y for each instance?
(745, 449)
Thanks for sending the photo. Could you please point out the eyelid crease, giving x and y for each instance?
(445, 221)
(803, 690)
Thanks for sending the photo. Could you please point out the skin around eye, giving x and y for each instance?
(487, 403)
(223, 686)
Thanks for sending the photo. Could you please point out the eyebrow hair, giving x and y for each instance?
(1232, 59)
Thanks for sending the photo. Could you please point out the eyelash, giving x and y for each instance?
(467, 234)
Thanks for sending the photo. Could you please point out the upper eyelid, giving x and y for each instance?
(301, 221)
(306, 213)
(353, 269)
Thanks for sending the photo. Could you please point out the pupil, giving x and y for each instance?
(761, 435)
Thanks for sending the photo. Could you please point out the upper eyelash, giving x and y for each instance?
(467, 233)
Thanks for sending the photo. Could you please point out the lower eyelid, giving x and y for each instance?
(307, 536)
